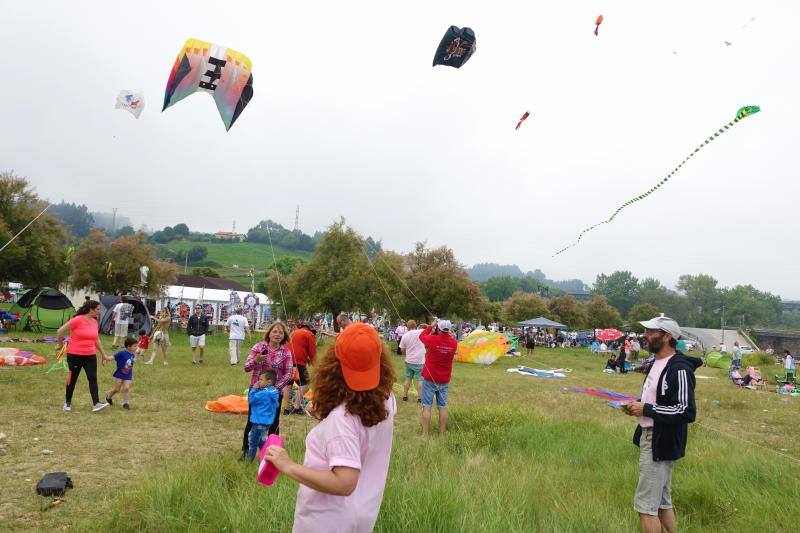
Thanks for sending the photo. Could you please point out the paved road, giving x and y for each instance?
(713, 337)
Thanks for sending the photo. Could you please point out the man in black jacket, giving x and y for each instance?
(197, 329)
(664, 412)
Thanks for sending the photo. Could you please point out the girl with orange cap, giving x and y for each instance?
(343, 475)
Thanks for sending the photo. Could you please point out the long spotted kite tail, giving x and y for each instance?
(743, 112)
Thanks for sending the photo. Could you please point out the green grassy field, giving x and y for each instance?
(521, 454)
(244, 254)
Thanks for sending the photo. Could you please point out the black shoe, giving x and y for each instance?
(297, 411)
(287, 411)
(405, 398)
(419, 400)
(126, 406)
(109, 401)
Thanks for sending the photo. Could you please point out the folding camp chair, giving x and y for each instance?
(736, 378)
(787, 379)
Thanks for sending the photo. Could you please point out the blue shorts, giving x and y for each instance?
(431, 389)
(414, 371)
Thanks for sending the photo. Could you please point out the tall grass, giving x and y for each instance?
(520, 454)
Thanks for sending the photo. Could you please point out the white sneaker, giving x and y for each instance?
(67, 406)
(99, 407)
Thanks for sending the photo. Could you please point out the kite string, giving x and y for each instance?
(722, 130)
(736, 437)
(278, 274)
(26, 227)
(378, 255)
(382, 285)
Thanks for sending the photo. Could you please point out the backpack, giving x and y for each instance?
(54, 484)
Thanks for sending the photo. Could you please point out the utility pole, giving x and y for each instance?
(114, 221)
(722, 325)
(297, 219)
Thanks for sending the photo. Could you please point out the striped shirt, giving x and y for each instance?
(279, 360)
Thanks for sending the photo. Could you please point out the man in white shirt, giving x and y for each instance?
(236, 326)
(414, 350)
(723, 348)
(788, 362)
(121, 316)
(401, 330)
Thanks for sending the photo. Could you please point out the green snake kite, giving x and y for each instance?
(743, 112)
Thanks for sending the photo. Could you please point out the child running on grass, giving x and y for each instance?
(144, 343)
(123, 373)
(263, 399)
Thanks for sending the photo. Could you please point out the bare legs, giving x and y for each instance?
(663, 523)
(426, 420)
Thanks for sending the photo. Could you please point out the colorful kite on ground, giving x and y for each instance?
(456, 47)
(597, 24)
(538, 372)
(482, 347)
(215, 69)
(17, 357)
(130, 101)
(522, 119)
(743, 112)
(607, 394)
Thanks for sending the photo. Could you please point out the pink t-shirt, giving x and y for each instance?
(341, 440)
(83, 335)
(415, 350)
(650, 388)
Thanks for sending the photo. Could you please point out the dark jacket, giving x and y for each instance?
(674, 408)
(197, 325)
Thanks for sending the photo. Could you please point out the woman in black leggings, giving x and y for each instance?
(84, 342)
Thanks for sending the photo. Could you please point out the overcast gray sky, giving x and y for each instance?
(350, 119)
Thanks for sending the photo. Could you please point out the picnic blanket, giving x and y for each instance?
(17, 357)
(556, 373)
(229, 404)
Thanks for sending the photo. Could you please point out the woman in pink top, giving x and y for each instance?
(347, 455)
(84, 342)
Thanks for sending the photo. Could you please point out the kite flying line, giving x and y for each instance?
(26, 227)
(743, 112)
(278, 273)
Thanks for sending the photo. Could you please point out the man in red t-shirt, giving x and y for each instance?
(304, 350)
(440, 350)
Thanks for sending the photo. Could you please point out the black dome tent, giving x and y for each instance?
(43, 298)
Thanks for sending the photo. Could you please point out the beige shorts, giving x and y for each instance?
(120, 329)
(654, 491)
(197, 340)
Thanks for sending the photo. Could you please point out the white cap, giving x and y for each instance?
(664, 323)
(444, 325)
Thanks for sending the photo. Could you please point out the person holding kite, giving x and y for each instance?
(343, 475)
(82, 348)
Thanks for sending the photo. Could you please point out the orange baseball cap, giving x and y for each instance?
(358, 349)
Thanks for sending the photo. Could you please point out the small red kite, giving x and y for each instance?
(597, 24)
(522, 119)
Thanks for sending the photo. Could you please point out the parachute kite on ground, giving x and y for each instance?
(482, 347)
(743, 112)
(456, 47)
(522, 119)
(131, 101)
(215, 69)
(17, 357)
(597, 24)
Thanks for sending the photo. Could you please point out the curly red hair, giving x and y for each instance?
(330, 390)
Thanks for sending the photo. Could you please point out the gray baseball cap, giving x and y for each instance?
(444, 325)
(664, 323)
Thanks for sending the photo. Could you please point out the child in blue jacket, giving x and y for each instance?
(263, 399)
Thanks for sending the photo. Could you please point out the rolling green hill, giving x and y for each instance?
(233, 261)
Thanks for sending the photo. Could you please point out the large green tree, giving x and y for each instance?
(640, 313)
(440, 286)
(621, 289)
(705, 299)
(523, 306)
(76, 218)
(112, 267)
(567, 310)
(601, 315)
(37, 256)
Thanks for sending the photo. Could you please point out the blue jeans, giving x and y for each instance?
(431, 390)
(255, 440)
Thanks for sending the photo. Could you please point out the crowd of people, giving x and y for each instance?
(343, 474)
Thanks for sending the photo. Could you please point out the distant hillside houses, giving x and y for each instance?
(229, 236)
(791, 305)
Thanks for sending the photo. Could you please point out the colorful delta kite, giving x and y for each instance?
(456, 47)
(522, 119)
(215, 69)
(743, 112)
(131, 101)
(597, 24)
(482, 347)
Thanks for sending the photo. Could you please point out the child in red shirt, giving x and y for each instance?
(144, 342)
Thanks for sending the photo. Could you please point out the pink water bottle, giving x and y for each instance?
(267, 473)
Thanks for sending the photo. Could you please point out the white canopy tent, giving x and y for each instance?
(219, 300)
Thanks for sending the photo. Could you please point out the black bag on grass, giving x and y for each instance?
(54, 484)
